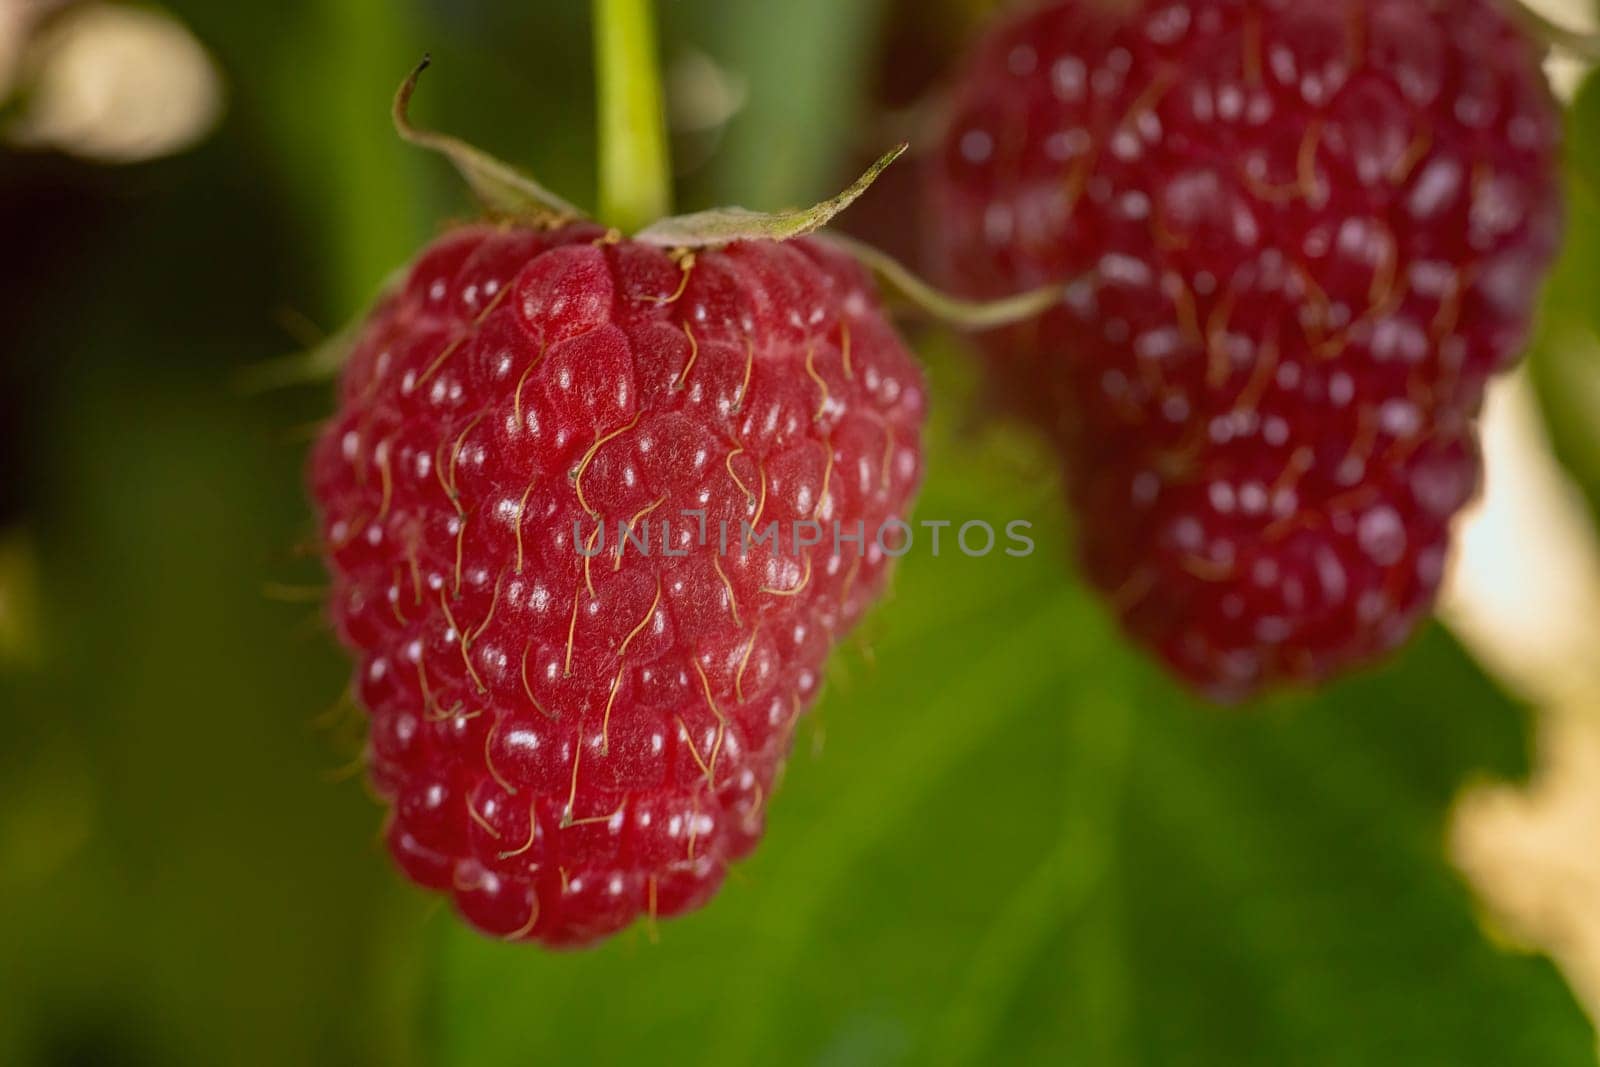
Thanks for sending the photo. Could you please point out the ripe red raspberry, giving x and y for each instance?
(1304, 235)
(571, 741)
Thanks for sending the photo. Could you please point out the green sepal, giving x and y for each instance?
(322, 361)
(501, 188)
(725, 226)
(899, 280)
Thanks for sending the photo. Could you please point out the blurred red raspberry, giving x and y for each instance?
(1304, 237)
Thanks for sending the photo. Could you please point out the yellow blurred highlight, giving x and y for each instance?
(1565, 70)
(47, 816)
(19, 620)
(1524, 595)
(1533, 853)
(702, 95)
(15, 16)
(1524, 588)
(115, 84)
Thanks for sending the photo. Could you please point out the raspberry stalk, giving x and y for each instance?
(635, 178)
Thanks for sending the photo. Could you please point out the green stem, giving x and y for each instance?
(635, 182)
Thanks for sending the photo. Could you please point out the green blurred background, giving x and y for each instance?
(1038, 852)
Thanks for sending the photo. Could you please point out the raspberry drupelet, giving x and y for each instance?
(575, 730)
(1303, 235)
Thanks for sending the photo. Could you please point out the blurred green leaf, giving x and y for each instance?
(1036, 852)
(364, 179)
(1583, 134)
(1565, 354)
(1040, 852)
(804, 63)
(197, 889)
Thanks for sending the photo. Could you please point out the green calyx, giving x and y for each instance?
(501, 188)
(901, 281)
(635, 193)
(721, 226)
